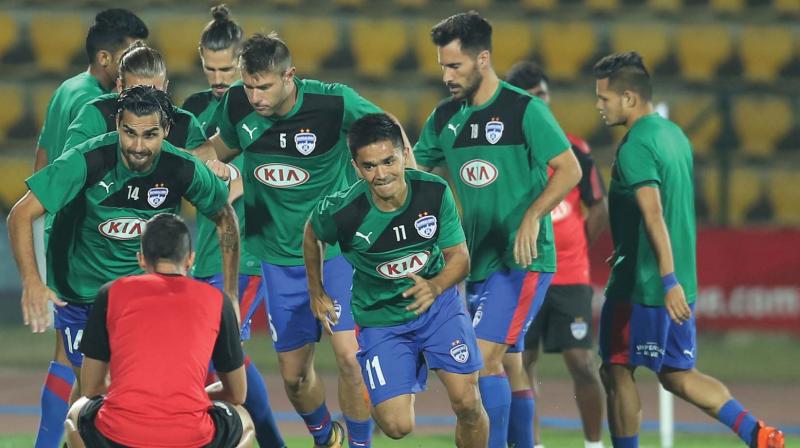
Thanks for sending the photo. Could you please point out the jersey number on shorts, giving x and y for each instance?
(72, 345)
(375, 364)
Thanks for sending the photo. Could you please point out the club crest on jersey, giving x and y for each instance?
(157, 195)
(305, 141)
(401, 267)
(478, 173)
(426, 225)
(279, 175)
(122, 228)
(494, 130)
(579, 328)
(459, 351)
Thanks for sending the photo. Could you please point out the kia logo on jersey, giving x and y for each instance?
(122, 228)
(401, 267)
(279, 175)
(478, 173)
(561, 211)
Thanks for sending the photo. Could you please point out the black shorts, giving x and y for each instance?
(226, 421)
(565, 320)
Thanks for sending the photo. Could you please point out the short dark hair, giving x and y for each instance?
(110, 30)
(372, 128)
(526, 75)
(265, 53)
(141, 61)
(474, 32)
(625, 71)
(221, 33)
(166, 237)
(146, 100)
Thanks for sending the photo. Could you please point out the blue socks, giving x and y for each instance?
(319, 424)
(520, 425)
(739, 419)
(359, 433)
(257, 404)
(55, 405)
(625, 442)
(496, 396)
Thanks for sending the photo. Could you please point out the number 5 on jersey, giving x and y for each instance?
(375, 364)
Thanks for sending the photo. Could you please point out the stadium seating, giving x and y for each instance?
(8, 33)
(310, 48)
(539, 5)
(41, 98)
(785, 195)
(652, 41)
(13, 107)
(376, 45)
(511, 42)
(764, 50)
(761, 123)
(602, 6)
(728, 7)
(701, 49)
(787, 7)
(468, 4)
(350, 3)
(287, 3)
(707, 187)
(258, 24)
(744, 188)
(395, 102)
(576, 113)
(55, 40)
(699, 117)
(566, 47)
(177, 38)
(425, 50)
(411, 4)
(13, 172)
(426, 101)
(665, 6)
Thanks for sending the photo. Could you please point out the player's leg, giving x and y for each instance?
(81, 430)
(233, 426)
(472, 423)
(530, 358)
(338, 275)
(523, 404)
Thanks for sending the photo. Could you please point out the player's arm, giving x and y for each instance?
(228, 235)
(93, 377)
(648, 199)
(425, 291)
(39, 158)
(427, 152)
(592, 192)
(96, 347)
(215, 148)
(35, 293)
(228, 360)
(313, 256)
(596, 220)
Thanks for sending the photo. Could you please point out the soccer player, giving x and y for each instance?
(498, 142)
(400, 230)
(564, 324)
(220, 44)
(139, 65)
(648, 317)
(101, 193)
(138, 332)
(292, 134)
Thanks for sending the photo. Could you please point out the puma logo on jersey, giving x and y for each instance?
(248, 130)
(454, 128)
(106, 186)
(366, 237)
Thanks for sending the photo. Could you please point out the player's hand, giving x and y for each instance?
(424, 292)
(234, 296)
(34, 306)
(525, 242)
(220, 169)
(322, 307)
(678, 309)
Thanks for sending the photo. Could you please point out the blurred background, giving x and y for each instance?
(728, 71)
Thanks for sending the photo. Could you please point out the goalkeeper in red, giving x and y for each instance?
(648, 318)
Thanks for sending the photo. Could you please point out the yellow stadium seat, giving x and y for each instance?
(787, 7)
(310, 41)
(764, 50)
(395, 102)
(700, 119)
(55, 40)
(177, 45)
(785, 196)
(41, 98)
(8, 33)
(602, 6)
(707, 186)
(252, 25)
(743, 190)
(665, 6)
(426, 101)
(411, 4)
(475, 3)
(376, 45)
(576, 113)
(540, 5)
(287, 3)
(350, 3)
(761, 123)
(701, 49)
(728, 7)
(426, 50)
(511, 43)
(650, 40)
(565, 47)
(13, 108)
(13, 172)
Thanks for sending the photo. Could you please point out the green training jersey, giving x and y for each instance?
(384, 247)
(99, 116)
(67, 100)
(497, 155)
(654, 152)
(290, 162)
(208, 258)
(101, 208)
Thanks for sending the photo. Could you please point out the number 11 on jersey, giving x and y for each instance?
(399, 232)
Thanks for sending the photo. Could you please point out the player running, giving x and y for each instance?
(101, 193)
(220, 44)
(564, 324)
(498, 142)
(139, 65)
(648, 317)
(400, 230)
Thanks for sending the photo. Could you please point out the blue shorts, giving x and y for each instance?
(395, 360)
(504, 305)
(70, 321)
(639, 335)
(291, 321)
(251, 294)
